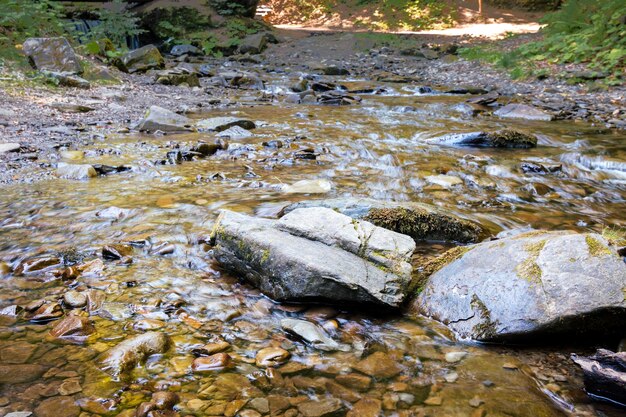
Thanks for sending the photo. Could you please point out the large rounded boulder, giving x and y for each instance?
(529, 286)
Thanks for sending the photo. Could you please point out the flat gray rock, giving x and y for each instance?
(158, 118)
(222, 123)
(75, 171)
(529, 286)
(523, 111)
(316, 254)
(9, 147)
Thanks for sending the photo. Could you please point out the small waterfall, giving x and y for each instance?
(85, 26)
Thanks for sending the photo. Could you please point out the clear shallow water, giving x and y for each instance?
(376, 149)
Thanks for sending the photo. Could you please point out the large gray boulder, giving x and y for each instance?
(158, 118)
(254, 44)
(420, 221)
(141, 60)
(533, 285)
(316, 254)
(52, 54)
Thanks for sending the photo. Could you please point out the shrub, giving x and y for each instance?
(22, 19)
(117, 23)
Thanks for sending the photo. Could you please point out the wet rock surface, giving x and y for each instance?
(286, 258)
(605, 375)
(526, 286)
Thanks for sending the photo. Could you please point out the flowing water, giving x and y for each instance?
(376, 149)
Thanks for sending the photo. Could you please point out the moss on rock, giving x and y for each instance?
(431, 265)
(596, 248)
(529, 269)
(424, 224)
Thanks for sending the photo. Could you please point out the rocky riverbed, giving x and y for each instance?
(123, 293)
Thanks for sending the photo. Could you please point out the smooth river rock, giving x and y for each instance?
(75, 171)
(130, 352)
(314, 335)
(523, 111)
(316, 254)
(16, 374)
(420, 221)
(158, 118)
(528, 287)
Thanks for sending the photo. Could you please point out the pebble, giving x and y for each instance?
(271, 356)
(69, 387)
(433, 401)
(451, 377)
(216, 362)
(9, 147)
(63, 406)
(378, 365)
(75, 299)
(476, 402)
(320, 408)
(454, 357)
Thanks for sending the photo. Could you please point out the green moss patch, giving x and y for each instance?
(529, 269)
(596, 248)
(432, 265)
(423, 225)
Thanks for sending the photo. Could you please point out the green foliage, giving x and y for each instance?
(228, 7)
(591, 32)
(22, 19)
(117, 23)
(368, 14)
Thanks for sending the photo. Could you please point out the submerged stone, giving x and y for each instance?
(314, 335)
(527, 286)
(378, 365)
(130, 352)
(17, 374)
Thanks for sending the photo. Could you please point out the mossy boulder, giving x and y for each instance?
(52, 54)
(498, 139)
(141, 60)
(418, 220)
(528, 288)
